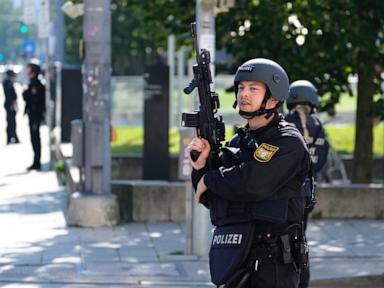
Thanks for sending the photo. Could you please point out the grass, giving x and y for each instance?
(346, 102)
(226, 100)
(130, 140)
(342, 138)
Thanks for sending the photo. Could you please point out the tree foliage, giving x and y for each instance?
(323, 41)
(273, 29)
(140, 29)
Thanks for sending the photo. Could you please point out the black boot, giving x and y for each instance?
(34, 166)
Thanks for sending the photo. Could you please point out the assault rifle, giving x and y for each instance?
(208, 125)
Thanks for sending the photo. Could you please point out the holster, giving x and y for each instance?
(289, 247)
(301, 250)
(295, 248)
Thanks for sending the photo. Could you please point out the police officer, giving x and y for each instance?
(10, 106)
(254, 196)
(34, 97)
(302, 103)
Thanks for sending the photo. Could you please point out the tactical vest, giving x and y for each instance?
(240, 149)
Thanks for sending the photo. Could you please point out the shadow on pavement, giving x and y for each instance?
(17, 174)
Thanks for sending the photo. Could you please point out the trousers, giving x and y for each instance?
(271, 272)
(11, 125)
(34, 129)
(268, 269)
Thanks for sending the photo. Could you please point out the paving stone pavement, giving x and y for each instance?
(37, 249)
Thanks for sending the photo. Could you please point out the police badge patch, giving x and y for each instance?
(265, 152)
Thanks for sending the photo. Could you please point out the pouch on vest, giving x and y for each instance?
(230, 248)
(275, 210)
(224, 212)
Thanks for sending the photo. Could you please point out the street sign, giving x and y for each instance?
(43, 20)
(29, 46)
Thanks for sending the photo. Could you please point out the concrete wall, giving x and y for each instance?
(130, 167)
(165, 201)
(150, 200)
(378, 166)
(161, 201)
(350, 201)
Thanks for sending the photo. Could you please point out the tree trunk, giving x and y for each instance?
(363, 155)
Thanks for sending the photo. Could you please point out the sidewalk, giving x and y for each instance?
(38, 250)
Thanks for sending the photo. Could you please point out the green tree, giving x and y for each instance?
(73, 33)
(141, 28)
(139, 32)
(353, 37)
(323, 41)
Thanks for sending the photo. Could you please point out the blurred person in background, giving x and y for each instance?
(34, 97)
(302, 103)
(10, 106)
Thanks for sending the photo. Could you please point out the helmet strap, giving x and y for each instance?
(261, 110)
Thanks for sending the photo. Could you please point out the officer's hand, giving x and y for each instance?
(200, 189)
(14, 106)
(200, 145)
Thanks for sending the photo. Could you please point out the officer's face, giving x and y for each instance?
(250, 95)
(30, 72)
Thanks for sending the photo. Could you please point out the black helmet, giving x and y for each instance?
(266, 71)
(35, 65)
(302, 92)
(10, 73)
(272, 75)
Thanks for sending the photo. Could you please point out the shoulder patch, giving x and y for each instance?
(265, 152)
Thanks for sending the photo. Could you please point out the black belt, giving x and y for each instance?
(266, 237)
(271, 233)
(276, 245)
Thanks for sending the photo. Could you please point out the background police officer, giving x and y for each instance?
(302, 103)
(258, 184)
(10, 106)
(34, 97)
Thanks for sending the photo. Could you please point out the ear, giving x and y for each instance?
(272, 102)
